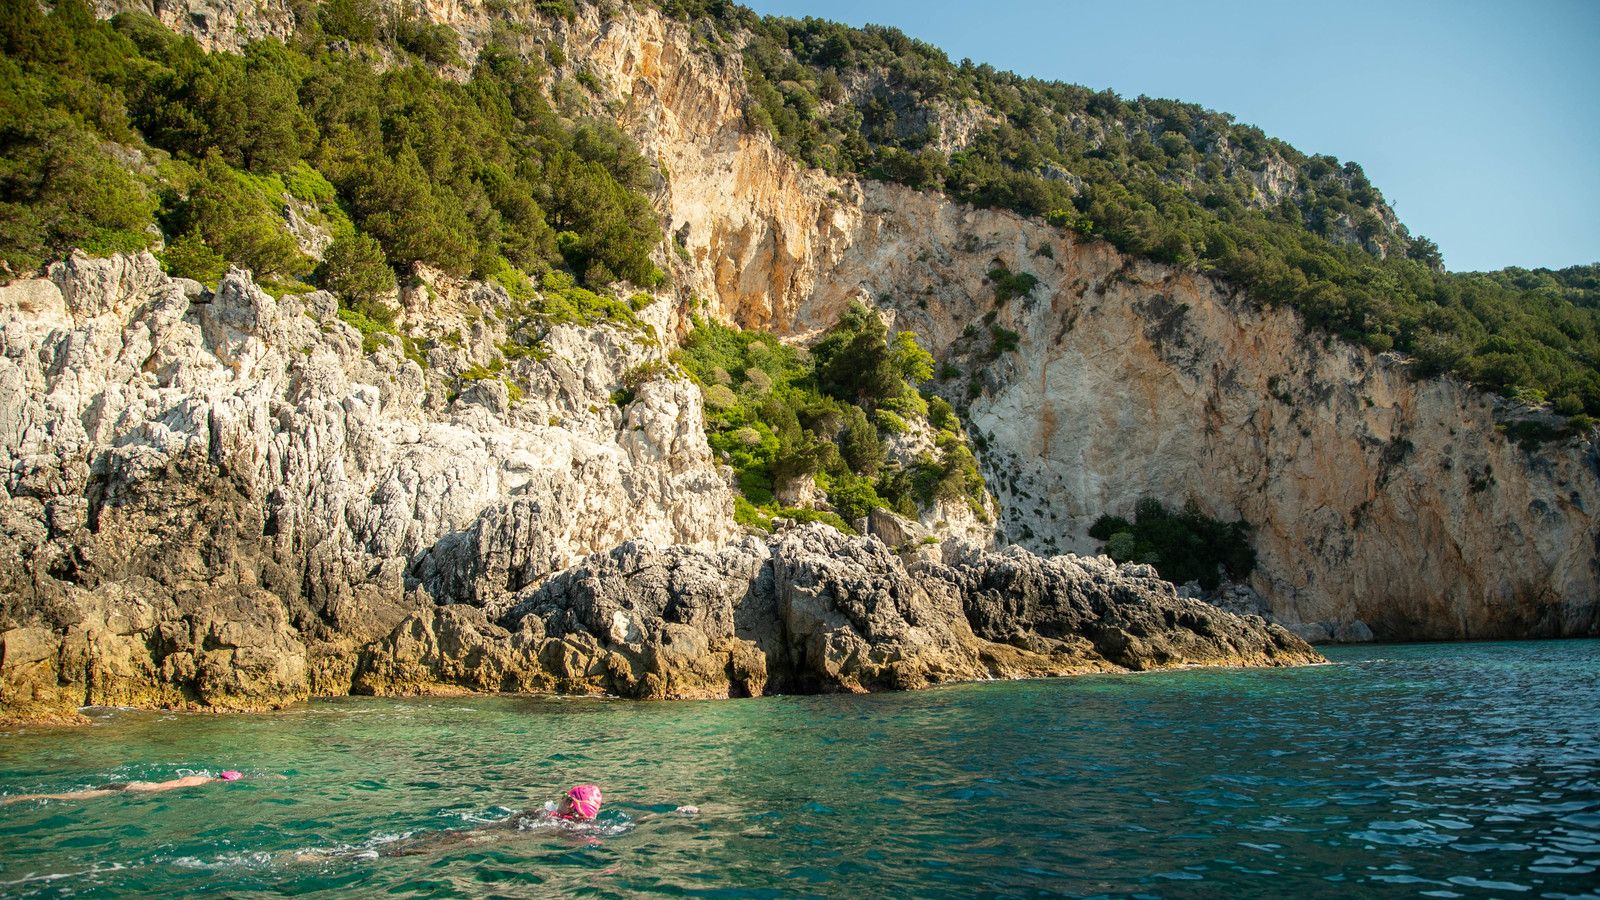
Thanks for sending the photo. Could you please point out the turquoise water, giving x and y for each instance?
(1436, 770)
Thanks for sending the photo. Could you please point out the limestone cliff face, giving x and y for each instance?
(1375, 498)
(221, 498)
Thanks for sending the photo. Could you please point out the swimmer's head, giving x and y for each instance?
(580, 802)
(231, 775)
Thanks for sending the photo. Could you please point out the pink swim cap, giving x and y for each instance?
(231, 775)
(585, 801)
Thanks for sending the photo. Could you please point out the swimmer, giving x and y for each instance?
(131, 787)
(577, 809)
(579, 805)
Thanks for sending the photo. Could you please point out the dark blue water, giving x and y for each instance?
(1439, 770)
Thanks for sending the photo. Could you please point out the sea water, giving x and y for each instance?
(1423, 770)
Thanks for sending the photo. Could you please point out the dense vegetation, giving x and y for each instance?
(116, 133)
(1183, 546)
(1164, 180)
(779, 414)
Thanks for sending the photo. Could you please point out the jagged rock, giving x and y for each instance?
(217, 499)
(659, 623)
(1131, 617)
(894, 530)
(452, 647)
(816, 610)
(854, 619)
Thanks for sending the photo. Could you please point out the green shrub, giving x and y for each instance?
(562, 301)
(190, 257)
(649, 370)
(240, 216)
(371, 329)
(59, 185)
(859, 445)
(745, 513)
(1529, 435)
(308, 185)
(770, 418)
(853, 496)
(354, 20)
(909, 405)
(719, 397)
(1004, 340)
(1008, 285)
(1184, 546)
(436, 43)
(857, 361)
(354, 268)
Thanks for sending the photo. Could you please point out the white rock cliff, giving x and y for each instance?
(194, 477)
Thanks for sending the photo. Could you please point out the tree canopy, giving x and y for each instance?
(467, 177)
(778, 413)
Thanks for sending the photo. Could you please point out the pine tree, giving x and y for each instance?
(354, 267)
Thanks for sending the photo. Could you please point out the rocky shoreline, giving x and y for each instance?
(218, 499)
(813, 611)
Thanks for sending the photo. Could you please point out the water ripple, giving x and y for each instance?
(1441, 770)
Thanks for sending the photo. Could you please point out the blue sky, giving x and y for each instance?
(1479, 121)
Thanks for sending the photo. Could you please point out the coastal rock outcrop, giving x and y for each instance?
(222, 499)
(814, 610)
